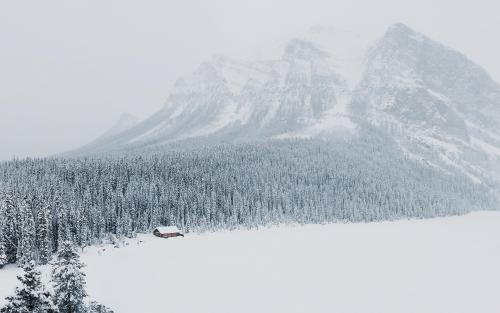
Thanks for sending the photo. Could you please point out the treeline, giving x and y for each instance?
(44, 202)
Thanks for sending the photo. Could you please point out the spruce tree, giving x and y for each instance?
(62, 223)
(44, 236)
(31, 297)
(3, 253)
(10, 225)
(26, 246)
(69, 280)
(3, 246)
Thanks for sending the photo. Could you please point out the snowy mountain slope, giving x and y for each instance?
(434, 101)
(302, 87)
(438, 105)
(312, 268)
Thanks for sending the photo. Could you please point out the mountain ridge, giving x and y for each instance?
(439, 106)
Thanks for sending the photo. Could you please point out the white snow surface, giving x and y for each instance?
(437, 265)
(486, 147)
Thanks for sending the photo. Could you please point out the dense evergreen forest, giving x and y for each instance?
(44, 202)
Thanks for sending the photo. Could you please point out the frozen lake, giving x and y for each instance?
(437, 265)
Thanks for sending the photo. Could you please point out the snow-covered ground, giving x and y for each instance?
(438, 265)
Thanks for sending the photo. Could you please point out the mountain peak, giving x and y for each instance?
(400, 32)
(302, 49)
(399, 28)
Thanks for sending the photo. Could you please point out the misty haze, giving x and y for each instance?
(273, 156)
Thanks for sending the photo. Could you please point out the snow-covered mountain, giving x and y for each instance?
(302, 89)
(436, 103)
(440, 107)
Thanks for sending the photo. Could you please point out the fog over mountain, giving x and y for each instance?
(65, 80)
(440, 107)
(148, 130)
(125, 122)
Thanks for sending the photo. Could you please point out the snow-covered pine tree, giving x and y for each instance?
(3, 254)
(43, 237)
(99, 308)
(62, 223)
(31, 297)
(3, 246)
(59, 222)
(3, 249)
(69, 280)
(26, 246)
(9, 226)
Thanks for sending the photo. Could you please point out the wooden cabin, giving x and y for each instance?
(167, 232)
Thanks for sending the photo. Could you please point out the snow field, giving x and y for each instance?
(439, 265)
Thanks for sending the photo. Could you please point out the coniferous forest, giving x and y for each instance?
(87, 200)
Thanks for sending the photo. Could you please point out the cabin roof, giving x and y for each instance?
(167, 229)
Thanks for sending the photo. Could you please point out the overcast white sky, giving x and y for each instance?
(68, 69)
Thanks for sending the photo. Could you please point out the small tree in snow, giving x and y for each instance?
(99, 308)
(69, 281)
(31, 297)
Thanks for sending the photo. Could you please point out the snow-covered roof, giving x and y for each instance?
(167, 229)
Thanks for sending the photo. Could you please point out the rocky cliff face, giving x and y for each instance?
(435, 102)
